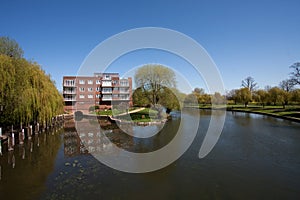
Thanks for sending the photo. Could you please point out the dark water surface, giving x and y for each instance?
(256, 157)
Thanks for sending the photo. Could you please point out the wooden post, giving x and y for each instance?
(37, 128)
(21, 137)
(30, 132)
(9, 145)
(13, 139)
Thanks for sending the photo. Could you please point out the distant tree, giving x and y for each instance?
(199, 91)
(217, 98)
(295, 75)
(286, 85)
(231, 95)
(295, 95)
(249, 83)
(10, 48)
(278, 95)
(243, 95)
(191, 100)
(261, 96)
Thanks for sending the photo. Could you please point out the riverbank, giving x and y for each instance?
(292, 114)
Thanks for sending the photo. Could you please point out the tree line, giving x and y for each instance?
(27, 94)
(156, 85)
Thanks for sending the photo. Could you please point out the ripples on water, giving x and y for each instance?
(256, 157)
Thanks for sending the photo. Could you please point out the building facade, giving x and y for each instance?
(102, 89)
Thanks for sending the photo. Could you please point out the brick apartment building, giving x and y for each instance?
(102, 89)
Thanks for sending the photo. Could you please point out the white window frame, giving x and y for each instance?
(81, 82)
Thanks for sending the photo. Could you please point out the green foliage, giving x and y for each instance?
(156, 85)
(243, 95)
(10, 48)
(93, 108)
(27, 94)
(139, 98)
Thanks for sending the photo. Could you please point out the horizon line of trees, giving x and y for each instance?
(156, 84)
(27, 94)
(283, 94)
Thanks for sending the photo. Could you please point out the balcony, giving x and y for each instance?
(69, 92)
(69, 84)
(69, 99)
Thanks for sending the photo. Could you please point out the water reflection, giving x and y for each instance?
(260, 153)
(25, 165)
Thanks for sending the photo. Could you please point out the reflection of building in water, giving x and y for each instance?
(87, 137)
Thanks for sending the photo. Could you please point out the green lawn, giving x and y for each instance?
(288, 111)
(145, 115)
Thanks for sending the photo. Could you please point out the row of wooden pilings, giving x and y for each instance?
(14, 136)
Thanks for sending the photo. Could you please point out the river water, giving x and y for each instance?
(256, 157)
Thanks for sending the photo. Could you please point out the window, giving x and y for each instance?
(124, 83)
(98, 82)
(81, 82)
(115, 82)
(107, 90)
(81, 96)
(106, 83)
(90, 89)
(90, 96)
(98, 89)
(124, 90)
(81, 89)
(90, 81)
(98, 96)
(107, 97)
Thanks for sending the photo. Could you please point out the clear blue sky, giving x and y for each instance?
(245, 38)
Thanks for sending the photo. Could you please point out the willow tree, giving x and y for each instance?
(27, 94)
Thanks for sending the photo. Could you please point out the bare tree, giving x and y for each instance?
(286, 85)
(295, 75)
(249, 83)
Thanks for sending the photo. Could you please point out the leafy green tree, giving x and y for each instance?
(262, 97)
(169, 100)
(276, 95)
(139, 98)
(155, 82)
(295, 95)
(217, 98)
(10, 48)
(243, 95)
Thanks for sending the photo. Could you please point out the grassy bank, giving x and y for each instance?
(145, 115)
(290, 112)
(276, 111)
